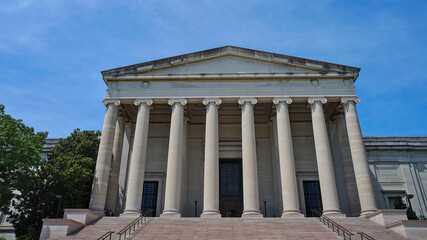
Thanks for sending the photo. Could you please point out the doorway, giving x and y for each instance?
(313, 197)
(230, 188)
(149, 197)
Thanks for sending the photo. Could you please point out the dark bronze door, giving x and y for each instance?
(149, 197)
(313, 197)
(230, 188)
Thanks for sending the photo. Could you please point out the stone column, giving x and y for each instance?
(358, 153)
(113, 180)
(211, 181)
(350, 181)
(174, 168)
(286, 156)
(123, 175)
(249, 160)
(139, 154)
(324, 160)
(103, 161)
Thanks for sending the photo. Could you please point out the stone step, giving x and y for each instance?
(235, 228)
(361, 224)
(100, 227)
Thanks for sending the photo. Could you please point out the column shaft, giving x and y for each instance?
(174, 166)
(286, 156)
(137, 162)
(249, 160)
(211, 177)
(358, 153)
(113, 186)
(103, 161)
(125, 159)
(350, 181)
(324, 160)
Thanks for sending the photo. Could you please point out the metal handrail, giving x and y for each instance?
(365, 236)
(135, 225)
(107, 234)
(340, 230)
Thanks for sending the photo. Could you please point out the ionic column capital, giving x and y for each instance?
(345, 100)
(182, 101)
(217, 101)
(277, 100)
(116, 102)
(147, 101)
(311, 100)
(242, 101)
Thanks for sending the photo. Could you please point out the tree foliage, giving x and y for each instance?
(20, 150)
(71, 165)
(68, 172)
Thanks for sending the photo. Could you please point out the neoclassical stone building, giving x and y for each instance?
(235, 132)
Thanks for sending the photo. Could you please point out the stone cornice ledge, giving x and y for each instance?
(251, 100)
(172, 101)
(311, 100)
(277, 100)
(217, 101)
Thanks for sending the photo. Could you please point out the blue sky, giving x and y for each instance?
(52, 51)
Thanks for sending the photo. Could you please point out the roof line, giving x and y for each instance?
(209, 53)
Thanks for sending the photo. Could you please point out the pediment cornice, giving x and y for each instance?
(153, 69)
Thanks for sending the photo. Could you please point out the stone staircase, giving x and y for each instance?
(361, 224)
(236, 228)
(98, 228)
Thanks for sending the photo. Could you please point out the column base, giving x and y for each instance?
(210, 214)
(292, 214)
(98, 211)
(170, 214)
(333, 214)
(252, 214)
(130, 213)
(367, 212)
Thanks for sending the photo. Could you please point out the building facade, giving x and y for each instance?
(234, 132)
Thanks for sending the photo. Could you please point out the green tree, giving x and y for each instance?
(20, 150)
(68, 172)
(71, 165)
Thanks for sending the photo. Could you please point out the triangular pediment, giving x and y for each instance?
(230, 60)
(228, 65)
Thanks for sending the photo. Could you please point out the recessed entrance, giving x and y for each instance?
(231, 188)
(313, 197)
(149, 197)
